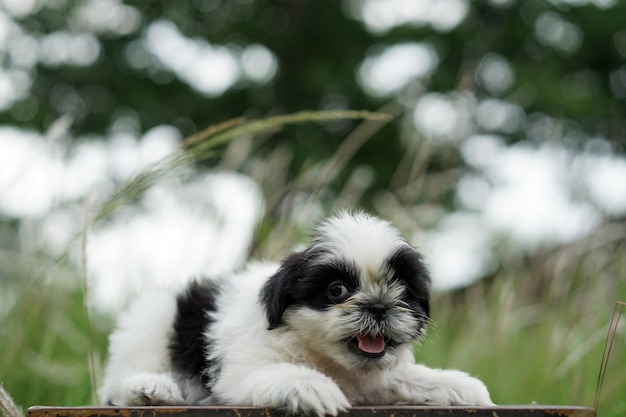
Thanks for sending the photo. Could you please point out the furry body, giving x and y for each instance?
(330, 327)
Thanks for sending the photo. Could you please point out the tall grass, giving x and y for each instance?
(534, 331)
(45, 344)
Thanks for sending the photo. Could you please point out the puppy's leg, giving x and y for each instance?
(150, 389)
(139, 370)
(417, 384)
(295, 389)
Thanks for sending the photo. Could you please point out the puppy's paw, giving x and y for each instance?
(458, 388)
(320, 396)
(151, 389)
(301, 391)
(425, 386)
(463, 389)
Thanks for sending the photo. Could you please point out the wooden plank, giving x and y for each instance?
(378, 411)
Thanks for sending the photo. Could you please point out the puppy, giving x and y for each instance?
(330, 327)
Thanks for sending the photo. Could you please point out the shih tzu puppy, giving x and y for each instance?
(330, 327)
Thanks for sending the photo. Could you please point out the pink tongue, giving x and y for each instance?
(371, 344)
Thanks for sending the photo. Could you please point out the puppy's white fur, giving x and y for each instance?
(298, 358)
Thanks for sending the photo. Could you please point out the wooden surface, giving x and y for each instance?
(381, 411)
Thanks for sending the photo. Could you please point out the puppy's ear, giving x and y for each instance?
(421, 288)
(280, 289)
(410, 269)
(425, 304)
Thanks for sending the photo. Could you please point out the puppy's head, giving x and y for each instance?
(354, 295)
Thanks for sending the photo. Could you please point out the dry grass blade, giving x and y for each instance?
(350, 145)
(201, 146)
(8, 406)
(618, 310)
(134, 188)
(356, 140)
(86, 298)
(211, 131)
(271, 123)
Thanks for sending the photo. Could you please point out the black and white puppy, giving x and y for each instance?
(330, 327)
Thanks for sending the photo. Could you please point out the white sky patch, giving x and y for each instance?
(21, 8)
(8, 29)
(259, 64)
(479, 151)
(499, 115)
(30, 171)
(380, 16)
(37, 174)
(445, 118)
(105, 16)
(531, 196)
(605, 181)
(458, 251)
(534, 195)
(604, 4)
(127, 155)
(11, 87)
(85, 171)
(386, 72)
(495, 74)
(67, 48)
(210, 69)
(23, 51)
(551, 29)
(15, 79)
(21, 47)
(180, 230)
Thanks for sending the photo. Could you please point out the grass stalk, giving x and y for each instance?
(8, 406)
(203, 144)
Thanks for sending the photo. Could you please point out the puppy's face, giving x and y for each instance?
(354, 295)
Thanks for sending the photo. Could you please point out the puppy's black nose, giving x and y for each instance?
(378, 310)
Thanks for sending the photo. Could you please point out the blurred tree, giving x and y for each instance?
(99, 61)
(529, 72)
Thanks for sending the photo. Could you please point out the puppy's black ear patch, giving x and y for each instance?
(410, 269)
(278, 292)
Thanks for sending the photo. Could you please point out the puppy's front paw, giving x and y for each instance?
(151, 389)
(425, 386)
(467, 390)
(301, 391)
(458, 388)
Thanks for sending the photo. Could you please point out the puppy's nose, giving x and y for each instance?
(378, 310)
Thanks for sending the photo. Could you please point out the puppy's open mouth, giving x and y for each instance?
(372, 346)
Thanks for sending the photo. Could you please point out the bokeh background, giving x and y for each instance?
(504, 164)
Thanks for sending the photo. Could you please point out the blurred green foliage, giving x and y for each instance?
(319, 47)
(534, 332)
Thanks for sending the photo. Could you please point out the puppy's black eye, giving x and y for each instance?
(338, 291)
